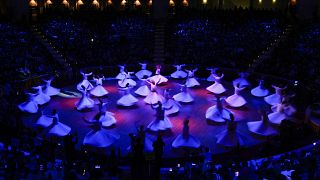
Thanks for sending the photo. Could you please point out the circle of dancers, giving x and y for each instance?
(164, 104)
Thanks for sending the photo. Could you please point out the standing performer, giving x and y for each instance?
(184, 96)
(40, 97)
(217, 113)
(230, 137)
(122, 73)
(127, 99)
(47, 120)
(179, 73)
(217, 87)
(30, 106)
(275, 98)
(99, 90)
(127, 80)
(58, 128)
(85, 82)
(154, 97)
(236, 100)
(170, 105)
(158, 77)
(143, 73)
(281, 112)
(162, 122)
(191, 80)
(85, 101)
(260, 90)
(50, 91)
(99, 137)
(262, 127)
(143, 90)
(212, 74)
(185, 139)
(242, 80)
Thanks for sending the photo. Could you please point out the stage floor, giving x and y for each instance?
(128, 119)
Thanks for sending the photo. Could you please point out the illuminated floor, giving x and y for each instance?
(128, 119)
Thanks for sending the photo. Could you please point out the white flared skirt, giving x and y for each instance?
(99, 91)
(184, 97)
(192, 82)
(100, 138)
(127, 100)
(216, 115)
(28, 106)
(179, 74)
(143, 91)
(236, 101)
(153, 98)
(190, 142)
(160, 125)
(142, 73)
(216, 88)
(259, 92)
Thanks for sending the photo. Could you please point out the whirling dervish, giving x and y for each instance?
(212, 74)
(99, 137)
(30, 106)
(162, 122)
(57, 128)
(154, 96)
(49, 90)
(85, 102)
(184, 96)
(217, 113)
(260, 90)
(127, 80)
(143, 73)
(217, 87)
(127, 98)
(179, 73)
(275, 98)
(191, 80)
(236, 100)
(170, 105)
(230, 137)
(143, 90)
(281, 112)
(85, 82)
(105, 117)
(186, 139)
(122, 73)
(262, 127)
(99, 90)
(46, 120)
(242, 80)
(40, 97)
(158, 77)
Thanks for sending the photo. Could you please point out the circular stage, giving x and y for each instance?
(130, 118)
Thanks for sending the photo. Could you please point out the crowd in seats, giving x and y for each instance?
(103, 41)
(21, 54)
(222, 38)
